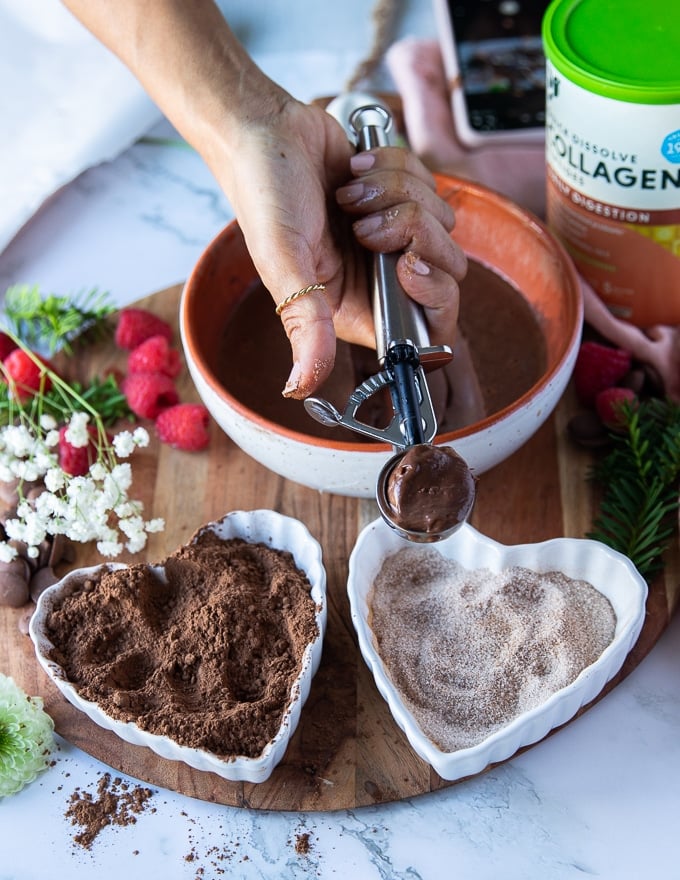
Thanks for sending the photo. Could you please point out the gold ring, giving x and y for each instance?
(298, 293)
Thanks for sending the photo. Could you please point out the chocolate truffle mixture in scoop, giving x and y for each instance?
(430, 491)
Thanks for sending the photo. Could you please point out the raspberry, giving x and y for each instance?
(610, 404)
(184, 426)
(155, 355)
(7, 344)
(136, 325)
(76, 460)
(24, 376)
(598, 367)
(149, 393)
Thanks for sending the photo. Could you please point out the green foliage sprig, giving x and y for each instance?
(54, 322)
(102, 397)
(640, 478)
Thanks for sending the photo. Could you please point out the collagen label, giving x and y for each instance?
(613, 197)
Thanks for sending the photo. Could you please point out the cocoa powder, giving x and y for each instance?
(116, 803)
(207, 659)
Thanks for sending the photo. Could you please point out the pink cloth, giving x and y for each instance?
(418, 73)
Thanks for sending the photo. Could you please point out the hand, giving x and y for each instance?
(280, 163)
(294, 202)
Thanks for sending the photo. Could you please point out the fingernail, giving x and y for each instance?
(420, 267)
(362, 161)
(293, 382)
(368, 224)
(416, 265)
(351, 193)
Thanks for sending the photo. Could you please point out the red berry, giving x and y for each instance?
(76, 460)
(7, 344)
(149, 393)
(136, 325)
(24, 375)
(598, 367)
(155, 355)
(610, 404)
(184, 426)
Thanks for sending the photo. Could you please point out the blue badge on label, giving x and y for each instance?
(670, 148)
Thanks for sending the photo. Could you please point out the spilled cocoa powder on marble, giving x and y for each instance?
(116, 802)
(207, 659)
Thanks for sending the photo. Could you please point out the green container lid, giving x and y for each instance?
(628, 50)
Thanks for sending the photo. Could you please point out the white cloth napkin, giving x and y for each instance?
(67, 103)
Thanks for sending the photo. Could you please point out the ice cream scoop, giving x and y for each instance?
(420, 474)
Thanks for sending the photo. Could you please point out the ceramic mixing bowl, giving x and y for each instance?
(495, 233)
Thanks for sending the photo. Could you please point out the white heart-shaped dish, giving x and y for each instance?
(257, 526)
(611, 573)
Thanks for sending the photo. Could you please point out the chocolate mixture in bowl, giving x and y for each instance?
(500, 329)
(207, 659)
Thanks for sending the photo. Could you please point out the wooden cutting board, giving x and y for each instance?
(347, 751)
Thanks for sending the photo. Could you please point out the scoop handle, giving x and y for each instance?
(396, 317)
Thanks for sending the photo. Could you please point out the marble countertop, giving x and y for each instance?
(599, 798)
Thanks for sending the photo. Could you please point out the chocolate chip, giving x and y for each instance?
(586, 429)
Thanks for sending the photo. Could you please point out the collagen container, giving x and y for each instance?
(613, 149)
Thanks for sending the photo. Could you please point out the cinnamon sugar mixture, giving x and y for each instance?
(207, 659)
(470, 650)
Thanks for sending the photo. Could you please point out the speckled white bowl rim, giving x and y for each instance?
(266, 526)
(608, 571)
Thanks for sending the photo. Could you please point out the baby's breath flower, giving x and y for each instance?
(7, 552)
(136, 542)
(98, 471)
(109, 548)
(48, 422)
(6, 475)
(94, 507)
(76, 432)
(141, 437)
(124, 444)
(55, 479)
(26, 737)
(127, 509)
(121, 475)
(131, 526)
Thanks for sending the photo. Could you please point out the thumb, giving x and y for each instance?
(307, 320)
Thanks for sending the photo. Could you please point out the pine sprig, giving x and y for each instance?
(640, 478)
(54, 322)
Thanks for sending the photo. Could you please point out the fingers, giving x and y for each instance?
(409, 227)
(390, 176)
(394, 199)
(436, 291)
